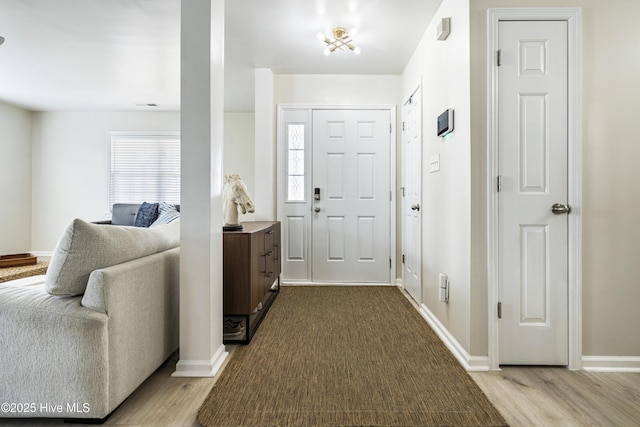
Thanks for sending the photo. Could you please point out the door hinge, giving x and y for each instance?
(499, 57)
(499, 183)
(389, 263)
(390, 196)
(499, 310)
(402, 188)
(402, 126)
(390, 128)
(403, 258)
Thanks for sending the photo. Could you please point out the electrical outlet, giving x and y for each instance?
(443, 287)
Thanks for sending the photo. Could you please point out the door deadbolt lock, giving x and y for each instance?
(559, 209)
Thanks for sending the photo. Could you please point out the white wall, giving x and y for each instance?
(15, 180)
(70, 158)
(70, 152)
(336, 89)
(611, 177)
(265, 145)
(239, 151)
(444, 69)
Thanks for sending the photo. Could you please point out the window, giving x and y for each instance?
(295, 163)
(144, 166)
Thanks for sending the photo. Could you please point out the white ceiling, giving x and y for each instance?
(115, 54)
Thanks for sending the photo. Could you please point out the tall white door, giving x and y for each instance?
(533, 274)
(412, 195)
(351, 196)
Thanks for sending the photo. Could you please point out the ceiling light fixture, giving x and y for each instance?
(341, 39)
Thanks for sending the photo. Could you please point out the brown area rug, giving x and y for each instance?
(345, 356)
(12, 273)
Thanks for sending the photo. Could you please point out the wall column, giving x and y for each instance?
(265, 150)
(202, 114)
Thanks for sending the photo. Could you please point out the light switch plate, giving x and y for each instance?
(444, 27)
(434, 163)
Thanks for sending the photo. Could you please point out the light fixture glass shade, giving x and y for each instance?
(357, 50)
(327, 51)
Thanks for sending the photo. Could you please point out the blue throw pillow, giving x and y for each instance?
(147, 214)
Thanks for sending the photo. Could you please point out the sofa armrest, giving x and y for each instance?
(52, 350)
(141, 299)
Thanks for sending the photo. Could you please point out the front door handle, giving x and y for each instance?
(559, 209)
(316, 209)
(415, 207)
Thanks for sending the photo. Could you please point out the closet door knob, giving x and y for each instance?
(559, 209)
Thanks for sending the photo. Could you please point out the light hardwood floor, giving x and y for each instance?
(526, 396)
(542, 396)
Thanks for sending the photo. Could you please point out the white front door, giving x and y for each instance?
(412, 195)
(533, 135)
(351, 196)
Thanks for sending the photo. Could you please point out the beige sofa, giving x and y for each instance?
(77, 342)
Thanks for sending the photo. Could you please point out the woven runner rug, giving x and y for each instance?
(12, 273)
(345, 356)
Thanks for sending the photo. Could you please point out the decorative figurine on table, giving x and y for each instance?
(234, 195)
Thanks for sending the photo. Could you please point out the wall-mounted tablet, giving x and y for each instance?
(445, 122)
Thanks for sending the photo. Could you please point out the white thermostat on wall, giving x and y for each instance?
(445, 122)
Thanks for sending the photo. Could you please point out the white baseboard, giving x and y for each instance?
(301, 283)
(42, 253)
(611, 363)
(481, 363)
(468, 362)
(201, 368)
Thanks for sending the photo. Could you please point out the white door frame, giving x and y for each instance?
(403, 227)
(573, 17)
(281, 165)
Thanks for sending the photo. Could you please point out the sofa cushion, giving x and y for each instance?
(147, 214)
(124, 213)
(167, 213)
(84, 247)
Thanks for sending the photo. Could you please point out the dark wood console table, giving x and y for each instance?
(251, 276)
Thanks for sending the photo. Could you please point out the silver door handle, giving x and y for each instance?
(559, 209)
(415, 207)
(316, 209)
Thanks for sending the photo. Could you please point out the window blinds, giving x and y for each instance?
(144, 168)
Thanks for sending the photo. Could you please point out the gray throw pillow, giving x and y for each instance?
(84, 247)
